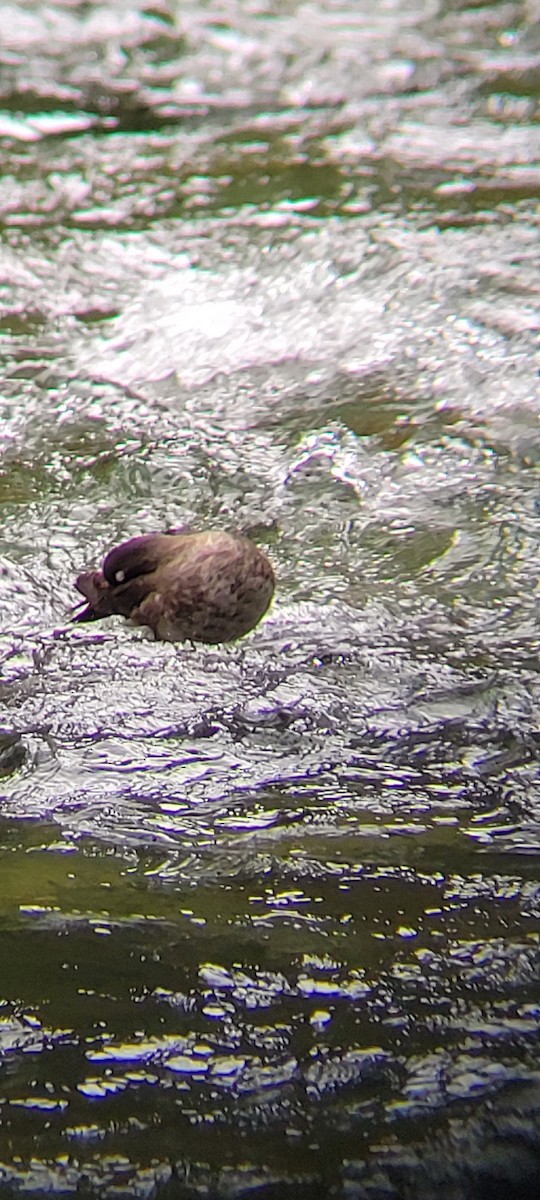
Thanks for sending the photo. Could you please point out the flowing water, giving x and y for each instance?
(270, 912)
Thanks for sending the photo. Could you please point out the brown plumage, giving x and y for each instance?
(202, 587)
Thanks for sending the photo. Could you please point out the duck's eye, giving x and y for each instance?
(119, 576)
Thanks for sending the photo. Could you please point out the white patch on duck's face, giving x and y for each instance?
(120, 576)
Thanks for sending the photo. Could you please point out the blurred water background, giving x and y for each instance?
(269, 913)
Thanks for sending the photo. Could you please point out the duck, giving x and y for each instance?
(210, 586)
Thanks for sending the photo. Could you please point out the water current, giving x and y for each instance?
(269, 912)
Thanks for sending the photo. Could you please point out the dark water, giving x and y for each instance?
(270, 912)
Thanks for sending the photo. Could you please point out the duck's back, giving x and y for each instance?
(214, 588)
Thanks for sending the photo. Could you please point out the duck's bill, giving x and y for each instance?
(83, 612)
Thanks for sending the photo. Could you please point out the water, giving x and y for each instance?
(270, 912)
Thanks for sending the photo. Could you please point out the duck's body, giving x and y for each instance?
(203, 587)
